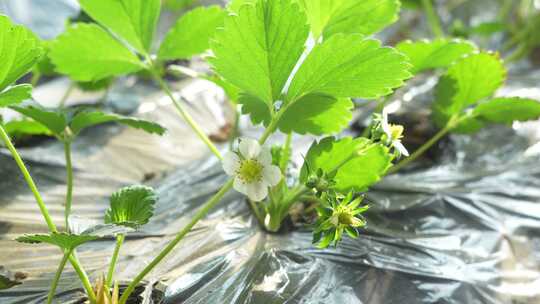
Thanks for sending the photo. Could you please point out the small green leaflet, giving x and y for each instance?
(470, 80)
(63, 240)
(17, 128)
(191, 33)
(350, 66)
(85, 119)
(317, 114)
(57, 121)
(15, 94)
(440, 53)
(506, 110)
(312, 114)
(360, 172)
(132, 20)
(258, 110)
(258, 48)
(19, 49)
(131, 206)
(53, 120)
(74, 55)
(366, 17)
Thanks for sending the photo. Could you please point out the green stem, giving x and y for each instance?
(256, 211)
(35, 78)
(43, 208)
(119, 241)
(57, 275)
(236, 127)
(433, 18)
(422, 149)
(286, 154)
(66, 95)
(28, 179)
(183, 113)
(83, 277)
(69, 182)
(211, 203)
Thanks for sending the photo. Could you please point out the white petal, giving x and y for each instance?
(231, 163)
(400, 147)
(384, 123)
(240, 186)
(249, 148)
(265, 157)
(271, 175)
(257, 191)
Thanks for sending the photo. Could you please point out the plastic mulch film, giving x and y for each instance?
(465, 230)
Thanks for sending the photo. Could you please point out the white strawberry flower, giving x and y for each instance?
(394, 133)
(252, 169)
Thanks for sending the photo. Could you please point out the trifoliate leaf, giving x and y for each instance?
(133, 20)
(467, 82)
(349, 66)
(52, 119)
(329, 17)
(191, 33)
(258, 48)
(15, 94)
(358, 173)
(506, 110)
(63, 240)
(19, 51)
(258, 110)
(441, 53)
(87, 119)
(86, 52)
(17, 128)
(131, 206)
(317, 114)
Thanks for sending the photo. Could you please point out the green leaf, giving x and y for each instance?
(258, 110)
(131, 206)
(234, 5)
(258, 48)
(366, 17)
(232, 92)
(191, 34)
(15, 94)
(87, 119)
(358, 173)
(349, 66)
(17, 128)
(133, 20)
(440, 53)
(86, 52)
(506, 110)
(63, 240)
(317, 115)
(19, 49)
(54, 120)
(467, 82)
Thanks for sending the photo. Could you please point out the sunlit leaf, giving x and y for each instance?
(131, 206)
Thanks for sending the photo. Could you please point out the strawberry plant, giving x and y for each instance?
(294, 68)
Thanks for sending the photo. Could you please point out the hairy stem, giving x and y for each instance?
(422, 149)
(119, 241)
(285, 154)
(211, 203)
(433, 18)
(69, 182)
(57, 275)
(83, 277)
(183, 113)
(66, 95)
(43, 208)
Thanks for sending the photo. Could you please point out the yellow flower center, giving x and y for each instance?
(250, 171)
(396, 131)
